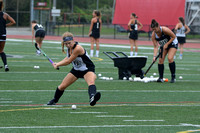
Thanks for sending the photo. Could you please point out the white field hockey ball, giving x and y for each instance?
(73, 107)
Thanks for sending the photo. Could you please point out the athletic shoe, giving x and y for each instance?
(52, 102)
(95, 98)
(174, 56)
(160, 80)
(173, 80)
(6, 68)
(180, 57)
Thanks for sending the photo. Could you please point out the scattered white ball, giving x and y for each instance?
(107, 78)
(154, 74)
(73, 107)
(180, 77)
(124, 78)
(36, 67)
(103, 77)
(99, 75)
(130, 78)
(146, 80)
(111, 78)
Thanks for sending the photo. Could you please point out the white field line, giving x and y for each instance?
(192, 125)
(6, 80)
(96, 126)
(117, 116)
(133, 91)
(15, 101)
(57, 108)
(88, 112)
(168, 105)
(97, 72)
(32, 72)
(83, 44)
(5, 99)
(144, 120)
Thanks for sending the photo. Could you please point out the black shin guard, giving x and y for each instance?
(91, 90)
(3, 57)
(58, 94)
(161, 70)
(172, 67)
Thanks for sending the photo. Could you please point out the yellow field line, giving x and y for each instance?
(27, 109)
(21, 109)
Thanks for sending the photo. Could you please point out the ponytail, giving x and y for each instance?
(98, 13)
(182, 20)
(1, 5)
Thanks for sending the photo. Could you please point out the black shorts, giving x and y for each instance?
(80, 74)
(95, 35)
(40, 33)
(172, 45)
(133, 35)
(181, 40)
(2, 37)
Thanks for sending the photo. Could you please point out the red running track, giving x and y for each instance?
(104, 41)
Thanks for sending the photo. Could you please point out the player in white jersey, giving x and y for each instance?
(83, 67)
(181, 30)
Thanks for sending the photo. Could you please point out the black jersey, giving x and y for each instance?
(96, 26)
(2, 24)
(164, 39)
(38, 27)
(82, 62)
(134, 26)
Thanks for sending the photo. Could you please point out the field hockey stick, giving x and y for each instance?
(160, 54)
(45, 55)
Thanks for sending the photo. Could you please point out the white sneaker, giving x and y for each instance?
(6, 68)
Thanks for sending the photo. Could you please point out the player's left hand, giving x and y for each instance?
(55, 65)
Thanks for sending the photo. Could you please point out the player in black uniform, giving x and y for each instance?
(94, 32)
(133, 28)
(3, 18)
(39, 34)
(83, 67)
(169, 44)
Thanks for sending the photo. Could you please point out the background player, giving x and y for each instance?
(133, 28)
(39, 34)
(181, 30)
(169, 43)
(94, 32)
(3, 18)
(83, 67)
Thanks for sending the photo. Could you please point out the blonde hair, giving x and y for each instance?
(66, 34)
(1, 5)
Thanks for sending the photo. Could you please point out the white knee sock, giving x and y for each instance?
(91, 53)
(131, 53)
(97, 53)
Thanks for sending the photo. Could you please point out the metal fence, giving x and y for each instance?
(107, 31)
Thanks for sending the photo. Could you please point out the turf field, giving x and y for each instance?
(125, 106)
